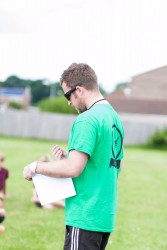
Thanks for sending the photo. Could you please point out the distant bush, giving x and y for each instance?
(15, 105)
(158, 139)
(56, 105)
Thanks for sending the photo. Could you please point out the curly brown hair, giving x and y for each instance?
(80, 74)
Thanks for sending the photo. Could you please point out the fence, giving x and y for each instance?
(57, 126)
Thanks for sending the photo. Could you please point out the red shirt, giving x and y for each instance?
(4, 174)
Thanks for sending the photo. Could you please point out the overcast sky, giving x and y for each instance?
(117, 38)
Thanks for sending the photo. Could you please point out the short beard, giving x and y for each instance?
(82, 108)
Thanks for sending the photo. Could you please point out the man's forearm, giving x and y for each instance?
(70, 167)
(59, 169)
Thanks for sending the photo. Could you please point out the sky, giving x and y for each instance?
(119, 39)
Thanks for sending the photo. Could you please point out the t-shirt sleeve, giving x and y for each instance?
(83, 137)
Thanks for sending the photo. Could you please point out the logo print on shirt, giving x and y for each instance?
(116, 147)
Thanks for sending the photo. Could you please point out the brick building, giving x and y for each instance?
(145, 94)
(18, 95)
(151, 85)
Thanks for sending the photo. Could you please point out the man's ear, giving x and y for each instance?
(80, 91)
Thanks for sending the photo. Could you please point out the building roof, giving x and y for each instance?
(127, 105)
(11, 91)
(146, 94)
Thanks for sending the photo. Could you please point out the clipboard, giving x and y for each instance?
(51, 189)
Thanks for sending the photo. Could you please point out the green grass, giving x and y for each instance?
(142, 210)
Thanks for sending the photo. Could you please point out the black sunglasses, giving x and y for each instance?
(68, 94)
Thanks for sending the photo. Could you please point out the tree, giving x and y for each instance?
(14, 82)
(39, 91)
(55, 89)
(121, 85)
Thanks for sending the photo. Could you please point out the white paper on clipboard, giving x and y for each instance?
(50, 189)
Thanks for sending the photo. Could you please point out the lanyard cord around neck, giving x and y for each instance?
(96, 102)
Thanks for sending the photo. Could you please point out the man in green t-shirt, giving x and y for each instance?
(95, 151)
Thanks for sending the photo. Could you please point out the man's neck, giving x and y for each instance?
(93, 100)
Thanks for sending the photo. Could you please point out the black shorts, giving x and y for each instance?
(79, 239)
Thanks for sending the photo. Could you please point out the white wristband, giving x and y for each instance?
(33, 166)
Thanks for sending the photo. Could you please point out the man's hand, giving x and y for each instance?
(29, 171)
(59, 153)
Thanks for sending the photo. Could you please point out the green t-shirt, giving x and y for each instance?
(97, 132)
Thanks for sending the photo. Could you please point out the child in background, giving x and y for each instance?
(35, 199)
(4, 174)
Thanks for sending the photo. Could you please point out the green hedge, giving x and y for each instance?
(158, 139)
(15, 105)
(56, 105)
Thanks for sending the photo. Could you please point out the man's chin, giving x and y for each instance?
(81, 111)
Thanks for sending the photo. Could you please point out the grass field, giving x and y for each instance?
(142, 212)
